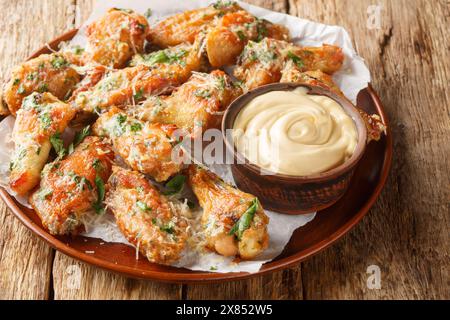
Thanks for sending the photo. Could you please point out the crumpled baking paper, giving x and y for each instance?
(353, 77)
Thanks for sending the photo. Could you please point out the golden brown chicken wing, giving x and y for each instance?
(116, 37)
(52, 73)
(228, 37)
(151, 75)
(262, 63)
(198, 103)
(291, 73)
(233, 221)
(73, 187)
(184, 27)
(145, 147)
(40, 121)
(145, 217)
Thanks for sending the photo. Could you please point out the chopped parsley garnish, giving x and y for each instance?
(121, 118)
(80, 135)
(245, 220)
(98, 206)
(43, 87)
(58, 62)
(261, 29)
(45, 193)
(139, 94)
(241, 35)
(58, 144)
(21, 90)
(202, 93)
(97, 165)
(148, 13)
(77, 50)
(136, 127)
(16, 82)
(169, 228)
(175, 185)
(143, 206)
(222, 4)
(296, 59)
(46, 120)
(165, 56)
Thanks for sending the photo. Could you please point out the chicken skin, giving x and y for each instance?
(116, 37)
(228, 37)
(262, 63)
(40, 121)
(184, 27)
(233, 221)
(198, 103)
(145, 217)
(151, 74)
(73, 187)
(145, 147)
(54, 73)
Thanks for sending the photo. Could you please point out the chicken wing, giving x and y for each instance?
(184, 27)
(73, 187)
(39, 122)
(52, 73)
(291, 73)
(116, 37)
(145, 217)
(145, 147)
(228, 37)
(262, 63)
(198, 103)
(150, 75)
(233, 221)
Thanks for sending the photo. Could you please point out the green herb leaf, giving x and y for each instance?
(167, 228)
(148, 13)
(58, 144)
(136, 127)
(241, 35)
(143, 206)
(297, 60)
(21, 90)
(80, 135)
(139, 94)
(46, 120)
(45, 193)
(98, 206)
(175, 185)
(58, 62)
(43, 87)
(245, 220)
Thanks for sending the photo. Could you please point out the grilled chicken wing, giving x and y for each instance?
(41, 118)
(291, 73)
(184, 27)
(233, 221)
(262, 63)
(228, 37)
(198, 103)
(72, 187)
(52, 73)
(145, 217)
(151, 75)
(116, 37)
(145, 147)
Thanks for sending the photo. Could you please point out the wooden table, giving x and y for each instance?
(406, 233)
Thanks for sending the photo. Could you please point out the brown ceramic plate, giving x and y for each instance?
(328, 226)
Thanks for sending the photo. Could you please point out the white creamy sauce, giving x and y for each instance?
(293, 133)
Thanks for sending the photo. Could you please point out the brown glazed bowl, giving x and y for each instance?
(286, 193)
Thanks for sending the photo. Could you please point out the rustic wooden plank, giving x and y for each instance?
(76, 280)
(406, 233)
(25, 261)
(286, 284)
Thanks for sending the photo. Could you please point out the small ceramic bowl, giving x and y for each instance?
(293, 194)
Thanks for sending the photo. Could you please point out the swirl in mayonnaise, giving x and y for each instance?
(293, 133)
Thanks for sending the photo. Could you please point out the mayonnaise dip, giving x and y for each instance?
(293, 133)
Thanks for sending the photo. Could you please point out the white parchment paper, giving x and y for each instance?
(353, 77)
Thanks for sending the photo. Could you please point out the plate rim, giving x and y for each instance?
(186, 276)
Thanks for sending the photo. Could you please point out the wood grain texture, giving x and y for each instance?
(405, 234)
